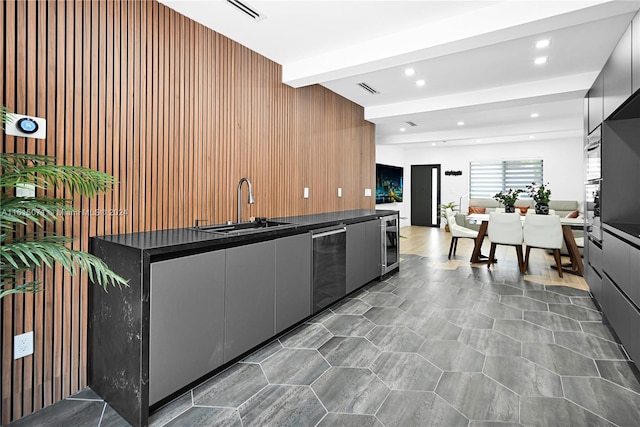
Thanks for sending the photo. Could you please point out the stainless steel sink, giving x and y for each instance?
(240, 227)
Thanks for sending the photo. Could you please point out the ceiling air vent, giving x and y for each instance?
(368, 88)
(247, 10)
(411, 124)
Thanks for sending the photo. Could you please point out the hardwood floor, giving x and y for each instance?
(434, 242)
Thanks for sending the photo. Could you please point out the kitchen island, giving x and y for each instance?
(198, 301)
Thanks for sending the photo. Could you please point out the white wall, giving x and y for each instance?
(563, 167)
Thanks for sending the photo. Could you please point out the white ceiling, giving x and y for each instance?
(475, 56)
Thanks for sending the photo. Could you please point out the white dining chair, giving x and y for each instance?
(543, 232)
(457, 232)
(505, 229)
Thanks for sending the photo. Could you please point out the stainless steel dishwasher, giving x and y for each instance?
(329, 266)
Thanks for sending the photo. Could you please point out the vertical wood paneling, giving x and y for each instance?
(178, 114)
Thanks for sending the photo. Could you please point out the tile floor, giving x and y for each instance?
(426, 347)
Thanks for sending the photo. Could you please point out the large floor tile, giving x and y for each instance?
(547, 411)
(522, 376)
(490, 342)
(353, 352)
(382, 299)
(567, 291)
(413, 294)
(590, 346)
(309, 335)
(406, 371)
(546, 296)
(552, 321)
(349, 325)
(522, 330)
(65, 413)
(452, 356)
(559, 359)
(467, 319)
(349, 420)
(231, 387)
(171, 410)
(264, 352)
(395, 338)
(523, 303)
(479, 397)
(351, 306)
(279, 405)
(386, 316)
(599, 330)
(377, 286)
(419, 409)
(617, 404)
(623, 373)
(294, 367)
(576, 313)
(497, 310)
(479, 295)
(207, 417)
(350, 390)
(433, 328)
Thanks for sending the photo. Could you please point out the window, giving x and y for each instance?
(489, 178)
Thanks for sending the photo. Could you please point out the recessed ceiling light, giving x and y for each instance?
(534, 115)
(433, 143)
(421, 83)
(409, 72)
(402, 129)
(477, 140)
(540, 60)
(531, 136)
(541, 44)
(460, 123)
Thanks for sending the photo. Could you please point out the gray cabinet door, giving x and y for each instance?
(635, 54)
(356, 255)
(595, 97)
(186, 321)
(293, 280)
(249, 297)
(373, 250)
(617, 75)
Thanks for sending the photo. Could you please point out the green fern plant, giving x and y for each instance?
(20, 253)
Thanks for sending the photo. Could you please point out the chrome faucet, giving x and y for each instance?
(251, 199)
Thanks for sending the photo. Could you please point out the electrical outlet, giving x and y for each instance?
(306, 192)
(339, 192)
(367, 192)
(22, 345)
(25, 190)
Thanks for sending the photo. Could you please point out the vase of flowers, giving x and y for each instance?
(508, 198)
(541, 194)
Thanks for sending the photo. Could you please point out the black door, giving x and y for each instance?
(425, 195)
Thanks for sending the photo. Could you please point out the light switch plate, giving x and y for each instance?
(12, 128)
(306, 192)
(23, 345)
(339, 192)
(25, 190)
(367, 192)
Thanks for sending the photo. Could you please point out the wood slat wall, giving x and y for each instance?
(178, 114)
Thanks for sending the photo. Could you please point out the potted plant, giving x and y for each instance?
(540, 194)
(508, 198)
(22, 252)
(443, 212)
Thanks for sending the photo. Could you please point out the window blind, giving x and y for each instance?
(489, 178)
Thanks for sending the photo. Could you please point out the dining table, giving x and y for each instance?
(568, 224)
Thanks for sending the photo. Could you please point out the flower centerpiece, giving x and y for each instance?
(508, 198)
(541, 194)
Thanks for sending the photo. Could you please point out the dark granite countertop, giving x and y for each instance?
(168, 243)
